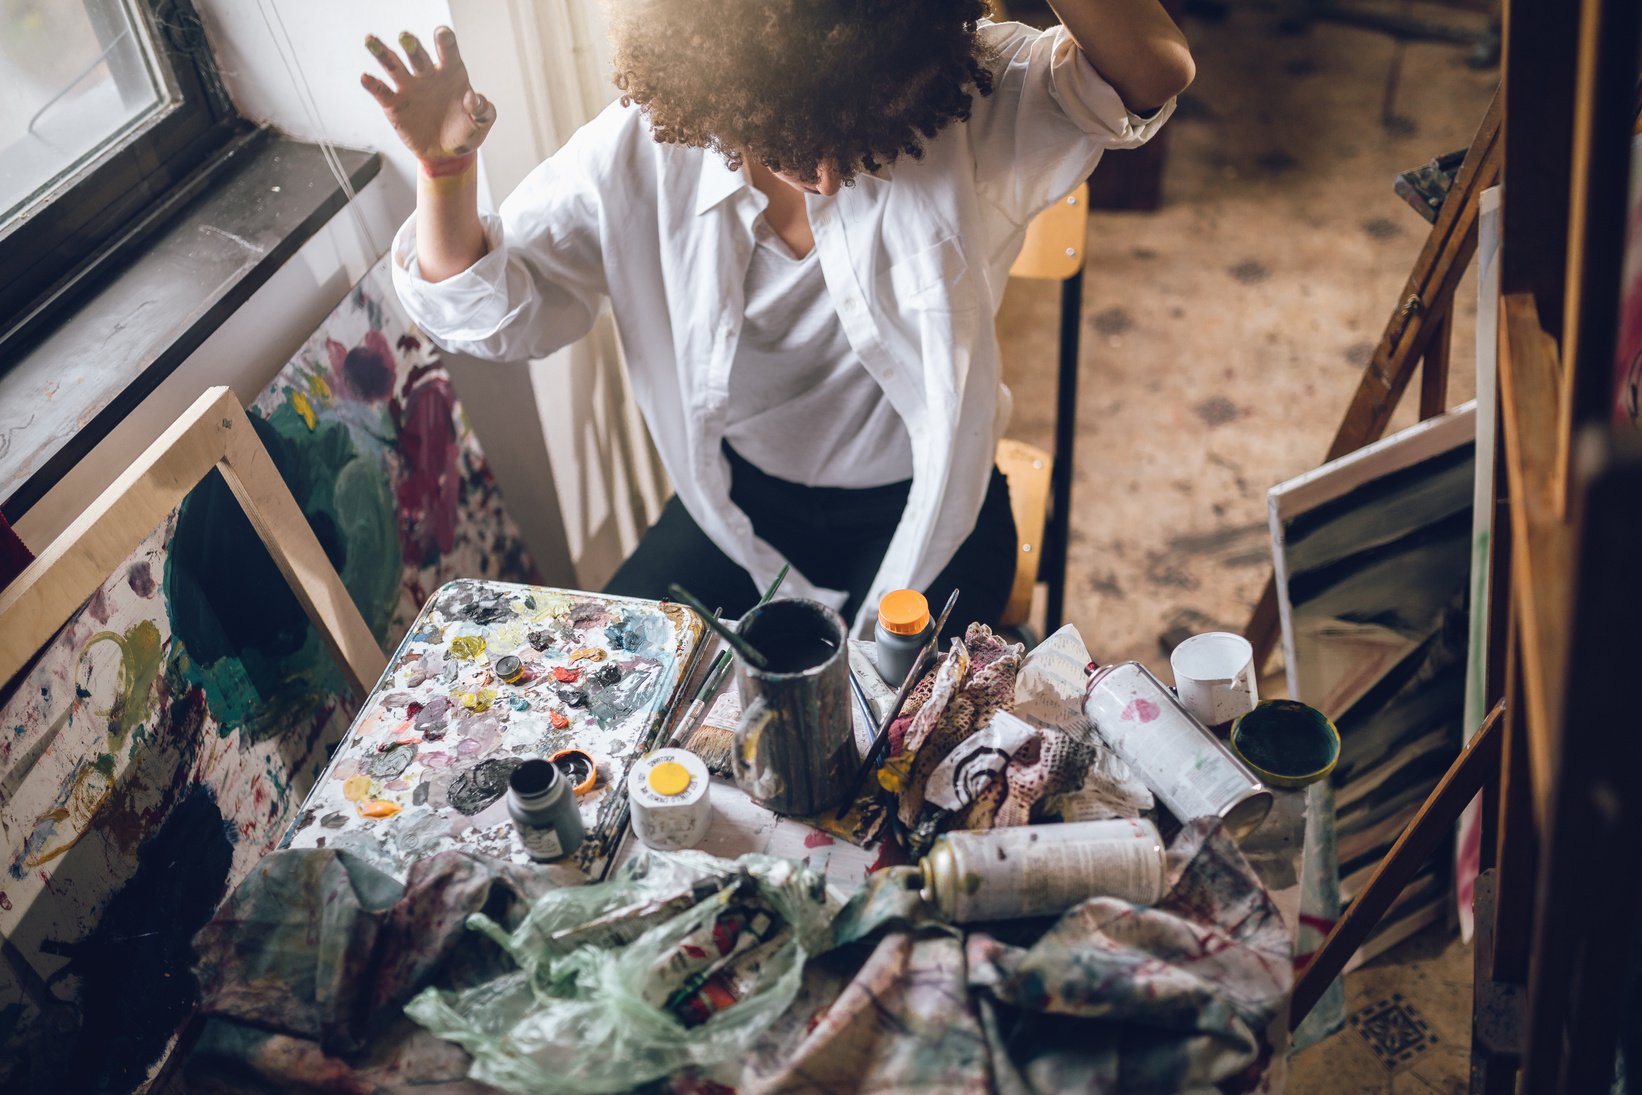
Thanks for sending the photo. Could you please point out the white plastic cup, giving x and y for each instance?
(1214, 678)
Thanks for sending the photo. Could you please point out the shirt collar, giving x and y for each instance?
(717, 182)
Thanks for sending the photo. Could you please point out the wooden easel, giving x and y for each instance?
(1416, 336)
(213, 433)
(1558, 760)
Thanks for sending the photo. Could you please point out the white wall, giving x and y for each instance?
(556, 431)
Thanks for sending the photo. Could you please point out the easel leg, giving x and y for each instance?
(1434, 369)
(1477, 764)
(1420, 316)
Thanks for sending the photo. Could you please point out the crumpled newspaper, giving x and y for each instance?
(1049, 693)
(996, 739)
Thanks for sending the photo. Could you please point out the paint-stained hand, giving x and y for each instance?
(432, 106)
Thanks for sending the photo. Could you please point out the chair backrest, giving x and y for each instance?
(1054, 245)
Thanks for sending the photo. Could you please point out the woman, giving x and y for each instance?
(802, 214)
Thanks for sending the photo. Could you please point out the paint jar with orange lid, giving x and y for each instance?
(904, 627)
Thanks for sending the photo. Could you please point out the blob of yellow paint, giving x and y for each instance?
(467, 647)
(378, 807)
(478, 701)
(669, 778)
(893, 775)
(303, 408)
(356, 788)
(587, 653)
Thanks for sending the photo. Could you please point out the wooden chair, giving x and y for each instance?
(1040, 483)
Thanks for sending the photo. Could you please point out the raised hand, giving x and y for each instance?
(432, 106)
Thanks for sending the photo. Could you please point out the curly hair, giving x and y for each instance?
(797, 83)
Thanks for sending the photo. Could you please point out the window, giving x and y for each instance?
(108, 110)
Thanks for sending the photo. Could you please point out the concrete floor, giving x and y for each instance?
(1223, 337)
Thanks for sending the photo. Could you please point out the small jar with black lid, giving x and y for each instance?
(543, 807)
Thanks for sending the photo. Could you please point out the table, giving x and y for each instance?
(406, 781)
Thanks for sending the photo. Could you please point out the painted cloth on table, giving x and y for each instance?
(960, 760)
(1188, 996)
(314, 969)
(305, 969)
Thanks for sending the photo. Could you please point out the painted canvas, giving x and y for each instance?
(1373, 555)
(164, 739)
(490, 675)
(1627, 403)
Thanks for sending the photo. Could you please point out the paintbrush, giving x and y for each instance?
(655, 735)
(712, 743)
(741, 646)
(880, 740)
(670, 737)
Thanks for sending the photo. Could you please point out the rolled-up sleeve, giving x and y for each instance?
(539, 285)
(1049, 119)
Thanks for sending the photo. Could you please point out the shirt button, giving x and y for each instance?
(852, 305)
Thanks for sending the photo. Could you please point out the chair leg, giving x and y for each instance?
(1066, 421)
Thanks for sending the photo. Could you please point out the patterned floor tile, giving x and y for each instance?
(1395, 1030)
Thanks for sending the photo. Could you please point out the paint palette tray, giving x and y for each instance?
(492, 674)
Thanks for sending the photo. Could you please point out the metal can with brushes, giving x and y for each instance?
(1189, 770)
(1042, 870)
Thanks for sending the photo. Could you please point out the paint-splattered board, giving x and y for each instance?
(425, 765)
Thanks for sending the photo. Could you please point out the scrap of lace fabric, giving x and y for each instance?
(960, 760)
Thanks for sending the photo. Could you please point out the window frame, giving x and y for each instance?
(110, 204)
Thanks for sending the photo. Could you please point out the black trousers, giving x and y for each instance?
(836, 536)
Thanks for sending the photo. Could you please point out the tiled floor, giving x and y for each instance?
(1222, 339)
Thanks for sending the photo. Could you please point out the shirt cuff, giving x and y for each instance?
(1093, 103)
(466, 307)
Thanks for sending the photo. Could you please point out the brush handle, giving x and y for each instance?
(740, 645)
(881, 738)
(721, 663)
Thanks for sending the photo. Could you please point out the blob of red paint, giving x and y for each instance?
(1140, 708)
(815, 838)
(559, 721)
(565, 676)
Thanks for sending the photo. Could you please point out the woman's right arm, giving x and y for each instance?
(441, 119)
(507, 286)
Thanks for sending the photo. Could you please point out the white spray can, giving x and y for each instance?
(1042, 870)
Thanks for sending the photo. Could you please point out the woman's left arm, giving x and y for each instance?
(1134, 45)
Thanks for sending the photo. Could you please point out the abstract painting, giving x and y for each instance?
(1627, 404)
(1373, 555)
(162, 741)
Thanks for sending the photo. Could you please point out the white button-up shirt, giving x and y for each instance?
(915, 258)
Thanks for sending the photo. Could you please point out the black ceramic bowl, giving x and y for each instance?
(1286, 743)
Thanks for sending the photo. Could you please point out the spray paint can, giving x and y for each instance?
(1189, 770)
(544, 811)
(1042, 870)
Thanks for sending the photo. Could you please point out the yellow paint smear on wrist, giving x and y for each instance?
(447, 184)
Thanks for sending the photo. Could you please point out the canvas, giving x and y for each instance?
(1627, 403)
(1373, 560)
(162, 741)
